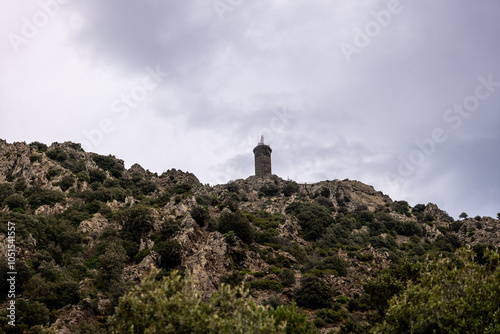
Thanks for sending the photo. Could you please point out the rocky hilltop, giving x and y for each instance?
(87, 229)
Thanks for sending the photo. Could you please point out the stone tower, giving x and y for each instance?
(262, 154)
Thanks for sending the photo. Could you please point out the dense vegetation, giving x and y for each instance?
(299, 258)
(175, 306)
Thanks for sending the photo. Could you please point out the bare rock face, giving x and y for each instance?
(480, 231)
(205, 254)
(25, 247)
(289, 230)
(436, 213)
(135, 272)
(58, 208)
(351, 194)
(96, 225)
(70, 316)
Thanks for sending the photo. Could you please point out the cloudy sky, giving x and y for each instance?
(403, 95)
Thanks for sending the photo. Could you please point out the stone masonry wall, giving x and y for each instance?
(262, 160)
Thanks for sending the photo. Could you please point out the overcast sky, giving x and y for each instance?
(402, 95)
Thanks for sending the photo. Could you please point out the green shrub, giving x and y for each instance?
(96, 175)
(28, 315)
(270, 190)
(232, 187)
(233, 279)
(39, 147)
(401, 207)
(455, 226)
(147, 187)
(16, 201)
(39, 196)
(200, 215)
(364, 257)
(91, 262)
(168, 230)
(273, 301)
(101, 195)
(331, 316)
(447, 243)
(313, 218)
(58, 154)
(53, 171)
(419, 208)
(76, 213)
(110, 264)
(353, 327)
(183, 188)
(342, 299)
(294, 319)
(287, 277)
(141, 255)
(376, 227)
(174, 306)
(266, 284)
(452, 296)
(259, 274)
(409, 228)
(20, 185)
(136, 221)
(66, 182)
(238, 224)
(5, 191)
(54, 294)
(320, 323)
(274, 270)
(314, 293)
(336, 264)
(279, 260)
(388, 282)
(365, 216)
(170, 253)
(109, 163)
(324, 202)
(290, 188)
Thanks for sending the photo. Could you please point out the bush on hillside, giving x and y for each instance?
(314, 293)
(238, 224)
(313, 218)
(174, 306)
(451, 296)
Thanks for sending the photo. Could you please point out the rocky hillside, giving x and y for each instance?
(87, 229)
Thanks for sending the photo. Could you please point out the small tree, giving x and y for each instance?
(170, 253)
(463, 215)
(16, 201)
(290, 188)
(136, 221)
(200, 215)
(238, 224)
(314, 293)
(172, 305)
(456, 295)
